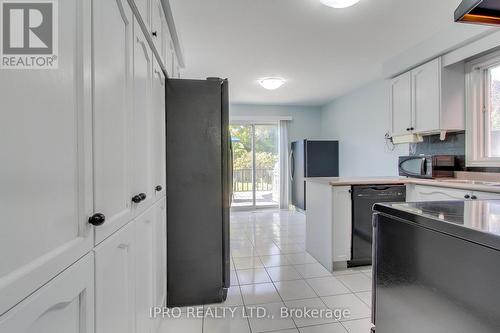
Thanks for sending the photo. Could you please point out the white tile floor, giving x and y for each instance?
(270, 268)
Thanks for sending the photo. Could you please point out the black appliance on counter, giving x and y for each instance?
(363, 199)
(427, 166)
(311, 158)
(199, 185)
(436, 267)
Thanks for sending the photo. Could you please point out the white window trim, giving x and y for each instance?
(475, 104)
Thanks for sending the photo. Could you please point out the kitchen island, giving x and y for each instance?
(436, 267)
(329, 211)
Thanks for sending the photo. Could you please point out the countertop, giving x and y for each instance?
(461, 184)
(477, 221)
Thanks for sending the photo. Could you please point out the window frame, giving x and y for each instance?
(477, 111)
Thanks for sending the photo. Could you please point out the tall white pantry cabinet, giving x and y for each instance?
(83, 241)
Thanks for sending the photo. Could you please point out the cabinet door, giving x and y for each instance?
(486, 195)
(430, 193)
(158, 131)
(144, 263)
(160, 253)
(144, 6)
(65, 304)
(401, 104)
(113, 60)
(115, 282)
(426, 96)
(142, 179)
(157, 33)
(46, 153)
(169, 59)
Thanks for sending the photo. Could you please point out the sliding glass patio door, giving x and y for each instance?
(256, 165)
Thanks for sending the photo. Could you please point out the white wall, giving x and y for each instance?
(305, 124)
(359, 121)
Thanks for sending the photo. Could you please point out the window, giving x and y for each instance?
(483, 111)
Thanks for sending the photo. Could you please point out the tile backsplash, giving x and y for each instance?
(453, 145)
(432, 145)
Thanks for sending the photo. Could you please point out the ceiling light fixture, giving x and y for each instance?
(339, 3)
(271, 83)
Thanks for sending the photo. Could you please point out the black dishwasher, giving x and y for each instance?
(363, 199)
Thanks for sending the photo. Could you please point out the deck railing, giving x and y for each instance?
(242, 180)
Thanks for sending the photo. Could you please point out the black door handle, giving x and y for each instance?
(158, 188)
(97, 219)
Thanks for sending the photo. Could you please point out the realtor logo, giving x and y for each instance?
(29, 34)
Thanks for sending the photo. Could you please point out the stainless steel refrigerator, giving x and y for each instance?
(311, 158)
(199, 183)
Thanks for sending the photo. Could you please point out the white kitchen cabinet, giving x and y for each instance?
(436, 96)
(158, 131)
(115, 282)
(169, 58)
(401, 104)
(157, 28)
(144, 269)
(421, 193)
(65, 304)
(144, 9)
(160, 253)
(486, 195)
(329, 223)
(426, 97)
(112, 114)
(46, 154)
(142, 179)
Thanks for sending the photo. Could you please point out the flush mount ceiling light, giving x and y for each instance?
(339, 3)
(271, 83)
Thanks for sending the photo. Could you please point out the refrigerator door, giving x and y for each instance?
(322, 158)
(297, 175)
(196, 208)
(227, 171)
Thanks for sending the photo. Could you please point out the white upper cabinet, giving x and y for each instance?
(46, 172)
(65, 304)
(115, 282)
(426, 97)
(112, 114)
(429, 99)
(401, 104)
(142, 178)
(158, 131)
(157, 28)
(144, 8)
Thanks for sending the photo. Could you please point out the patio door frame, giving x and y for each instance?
(252, 124)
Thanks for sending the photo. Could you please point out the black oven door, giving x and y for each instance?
(413, 166)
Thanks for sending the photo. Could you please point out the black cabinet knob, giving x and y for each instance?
(467, 196)
(154, 33)
(136, 198)
(408, 129)
(473, 197)
(412, 128)
(142, 196)
(97, 219)
(158, 188)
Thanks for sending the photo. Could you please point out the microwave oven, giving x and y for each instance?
(428, 166)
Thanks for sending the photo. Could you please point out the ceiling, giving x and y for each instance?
(322, 52)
